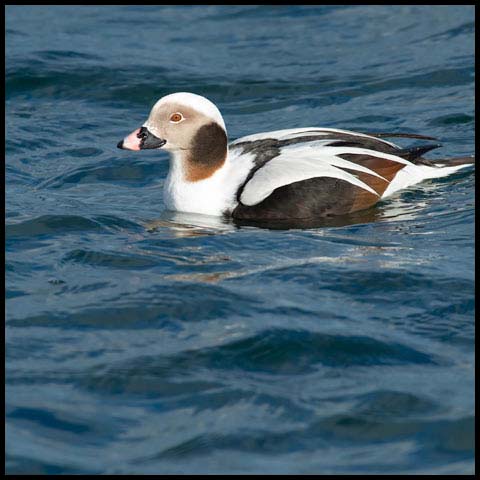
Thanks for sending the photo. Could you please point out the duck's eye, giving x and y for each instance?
(176, 117)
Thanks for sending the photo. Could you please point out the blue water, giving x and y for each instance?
(143, 341)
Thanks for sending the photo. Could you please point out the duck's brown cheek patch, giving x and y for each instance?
(208, 152)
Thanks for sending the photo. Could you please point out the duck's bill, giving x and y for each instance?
(141, 139)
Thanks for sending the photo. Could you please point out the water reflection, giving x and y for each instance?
(184, 224)
(356, 247)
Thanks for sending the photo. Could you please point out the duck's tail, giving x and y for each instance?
(427, 169)
(445, 166)
(456, 161)
(415, 154)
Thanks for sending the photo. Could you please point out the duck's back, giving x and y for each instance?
(315, 172)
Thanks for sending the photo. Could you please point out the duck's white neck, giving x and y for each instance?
(210, 196)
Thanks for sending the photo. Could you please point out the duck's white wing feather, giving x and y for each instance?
(302, 162)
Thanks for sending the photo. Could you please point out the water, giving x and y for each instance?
(143, 341)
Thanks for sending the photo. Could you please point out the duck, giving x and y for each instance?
(297, 173)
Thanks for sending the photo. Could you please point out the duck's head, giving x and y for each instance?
(187, 124)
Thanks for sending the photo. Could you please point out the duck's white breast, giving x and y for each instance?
(211, 196)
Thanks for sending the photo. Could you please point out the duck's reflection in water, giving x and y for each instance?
(184, 224)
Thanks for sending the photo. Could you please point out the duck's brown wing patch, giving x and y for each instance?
(381, 166)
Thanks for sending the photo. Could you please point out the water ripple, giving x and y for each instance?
(143, 341)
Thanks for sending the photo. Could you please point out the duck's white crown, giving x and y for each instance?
(197, 102)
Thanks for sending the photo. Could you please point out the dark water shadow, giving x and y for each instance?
(191, 224)
(370, 215)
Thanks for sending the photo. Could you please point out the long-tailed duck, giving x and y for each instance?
(296, 173)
